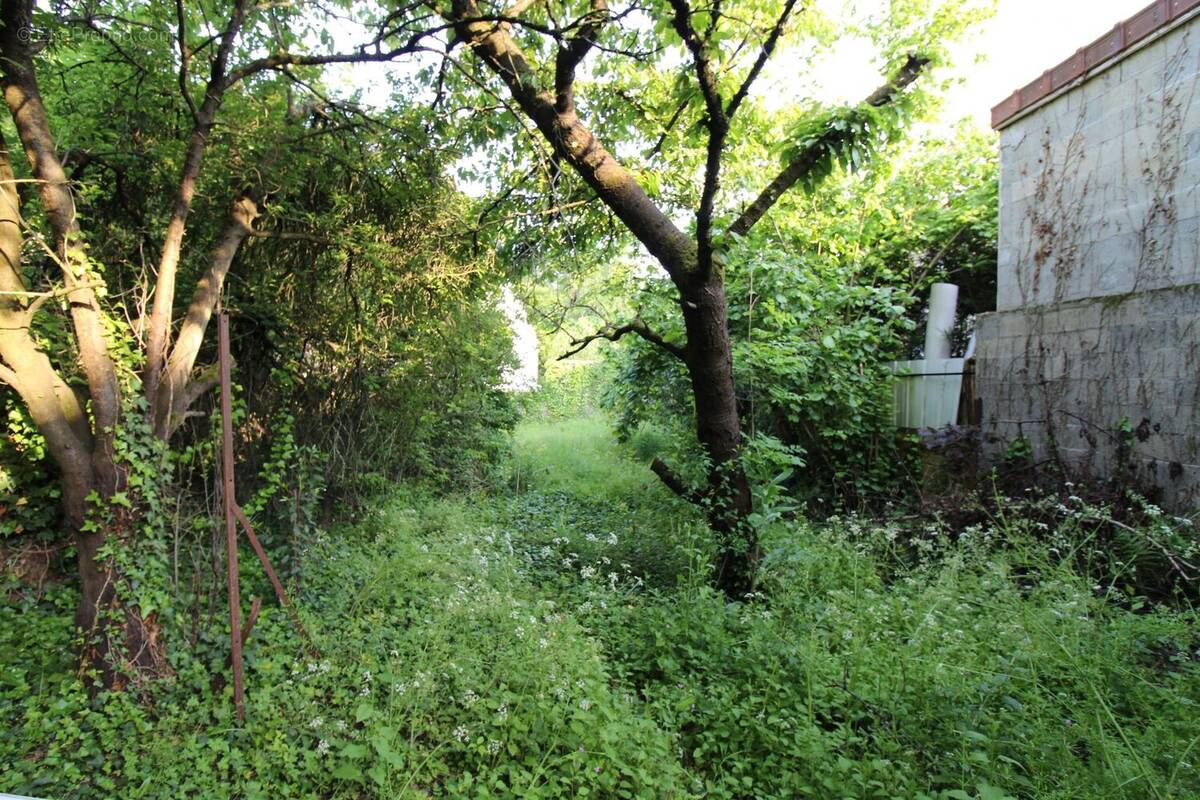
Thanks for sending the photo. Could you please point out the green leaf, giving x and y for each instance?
(347, 772)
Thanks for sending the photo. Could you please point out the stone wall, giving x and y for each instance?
(1094, 354)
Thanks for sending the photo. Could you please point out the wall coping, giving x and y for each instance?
(1110, 49)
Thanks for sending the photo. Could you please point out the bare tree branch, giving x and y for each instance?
(413, 44)
(666, 129)
(291, 236)
(185, 56)
(673, 482)
(767, 49)
(159, 327)
(280, 60)
(614, 333)
(682, 22)
(570, 55)
(717, 123)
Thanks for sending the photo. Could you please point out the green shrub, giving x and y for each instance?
(568, 391)
(811, 349)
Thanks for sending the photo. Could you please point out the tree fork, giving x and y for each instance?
(117, 639)
(708, 353)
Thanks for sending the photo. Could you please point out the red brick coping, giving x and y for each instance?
(1159, 15)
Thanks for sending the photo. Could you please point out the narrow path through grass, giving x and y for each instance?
(556, 638)
(579, 457)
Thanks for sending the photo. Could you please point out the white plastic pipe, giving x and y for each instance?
(943, 302)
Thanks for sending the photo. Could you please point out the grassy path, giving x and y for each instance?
(555, 638)
(578, 457)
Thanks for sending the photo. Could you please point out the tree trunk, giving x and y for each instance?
(709, 354)
(177, 390)
(119, 644)
(718, 428)
(204, 118)
(117, 641)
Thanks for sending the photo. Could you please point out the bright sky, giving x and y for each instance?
(1023, 39)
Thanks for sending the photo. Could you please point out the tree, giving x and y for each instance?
(83, 404)
(822, 301)
(724, 49)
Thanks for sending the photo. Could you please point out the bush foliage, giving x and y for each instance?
(817, 309)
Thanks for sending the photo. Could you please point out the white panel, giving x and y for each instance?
(927, 392)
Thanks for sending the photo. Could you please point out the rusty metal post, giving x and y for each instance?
(271, 576)
(280, 594)
(235, 602)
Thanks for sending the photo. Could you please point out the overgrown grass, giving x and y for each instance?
(558, 639)
(578, 457)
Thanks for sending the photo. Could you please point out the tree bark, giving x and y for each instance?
(708, 351)
(719, 430)
(118, 641)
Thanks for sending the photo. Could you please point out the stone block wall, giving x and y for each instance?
(1098, 321)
